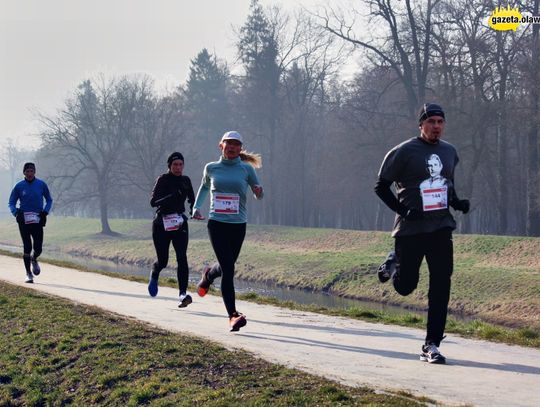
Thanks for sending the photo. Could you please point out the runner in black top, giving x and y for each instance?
(422, 170)
(170, 224)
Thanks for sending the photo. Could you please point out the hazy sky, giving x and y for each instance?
(47, 47)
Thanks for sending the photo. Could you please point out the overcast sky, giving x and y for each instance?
(47, 47)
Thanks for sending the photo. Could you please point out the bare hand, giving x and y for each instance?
(257, 190)
(197, 215)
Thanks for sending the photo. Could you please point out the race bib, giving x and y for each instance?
(172, 221)
(228, 204)
(31, 217)
(434, 198)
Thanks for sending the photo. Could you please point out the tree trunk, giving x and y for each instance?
(104, 209)
(533, 170)
(502, 173)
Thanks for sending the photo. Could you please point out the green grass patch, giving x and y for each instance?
(54, 352)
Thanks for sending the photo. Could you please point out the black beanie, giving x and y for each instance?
(29, 165)
(428, 110)
(174, 156)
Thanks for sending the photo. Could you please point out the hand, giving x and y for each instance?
(257, 190)
(197, 215)
(43, 218)
(19, 215)
(463, 205)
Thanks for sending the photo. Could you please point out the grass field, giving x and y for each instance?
(496, 278)
(103, 359)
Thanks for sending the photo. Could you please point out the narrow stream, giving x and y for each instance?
(263, 289)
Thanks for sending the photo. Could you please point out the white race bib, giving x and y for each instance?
(31, 217)
(434, 198)
(172, 221)
(228, 204)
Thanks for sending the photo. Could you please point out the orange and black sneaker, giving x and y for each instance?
(237, 321)
(204, 284)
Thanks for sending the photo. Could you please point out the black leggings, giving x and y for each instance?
(226, 240)
(31, 233)
(438, 249)
(162, 241)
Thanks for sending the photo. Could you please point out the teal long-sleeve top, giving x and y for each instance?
(30, 196)
(227, 181)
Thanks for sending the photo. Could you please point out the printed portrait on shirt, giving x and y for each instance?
(434, 190)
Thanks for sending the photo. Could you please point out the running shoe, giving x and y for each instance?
(35, 267)
(185, 300)
(204, 284)
(237, 321)
(29, 277)
(430, 353)
(388, 268)
(152, 286)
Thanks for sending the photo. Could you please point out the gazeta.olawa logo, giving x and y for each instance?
(504, 19)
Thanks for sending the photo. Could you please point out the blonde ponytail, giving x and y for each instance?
(251, 158)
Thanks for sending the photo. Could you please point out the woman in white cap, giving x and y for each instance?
(227, 180)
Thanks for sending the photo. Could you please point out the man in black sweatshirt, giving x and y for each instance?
(422, 170)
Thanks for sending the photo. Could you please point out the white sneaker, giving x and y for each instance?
(430, 353)
(29, 278)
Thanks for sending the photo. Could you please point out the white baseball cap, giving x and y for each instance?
(232, 135)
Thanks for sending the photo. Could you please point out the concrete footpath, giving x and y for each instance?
(352, 352)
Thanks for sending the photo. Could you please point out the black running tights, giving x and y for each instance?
(31, 234)
(437, 248)
(226, 240)
(162, 241)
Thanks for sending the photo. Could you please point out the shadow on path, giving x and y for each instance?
(112, 293)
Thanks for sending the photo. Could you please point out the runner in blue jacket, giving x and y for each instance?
(31, 216)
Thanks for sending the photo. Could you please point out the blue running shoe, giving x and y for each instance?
(153, 286)
(35, 267)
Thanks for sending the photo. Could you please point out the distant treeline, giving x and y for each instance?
(322, 138)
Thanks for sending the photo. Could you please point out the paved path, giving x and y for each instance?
(352, 352)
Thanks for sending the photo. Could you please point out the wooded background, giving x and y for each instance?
(322, 136)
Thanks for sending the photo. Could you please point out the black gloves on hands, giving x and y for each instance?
(462, 205)
(43, 218)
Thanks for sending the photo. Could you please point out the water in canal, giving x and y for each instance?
(263, 289)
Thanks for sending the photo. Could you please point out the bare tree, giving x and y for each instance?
(158, 127)
(533, 156)
(398, 37)
(12, 158)
(89, 138)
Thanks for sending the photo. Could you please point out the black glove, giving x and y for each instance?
(462, 205)
(42, 219)
(19, 215)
